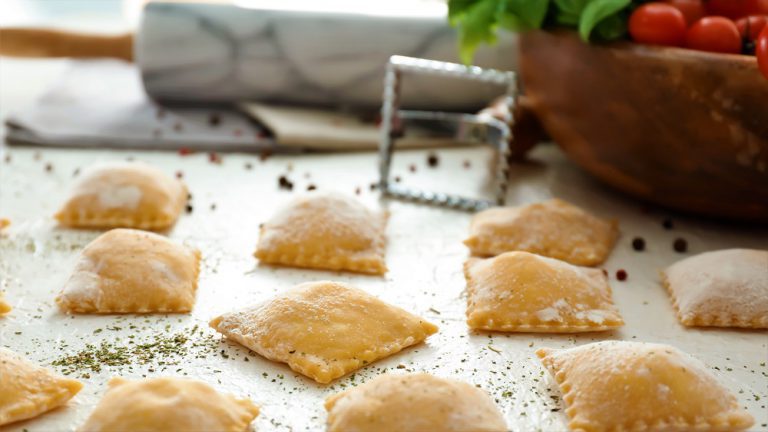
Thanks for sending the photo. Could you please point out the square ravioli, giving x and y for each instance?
(168, 404)
(324, 330)
(726, 288)
(132, 271)
(28, 390)
(552, 228)
(327, 231)
(124, 195)
(523, 292)
(413, 403)
(636, 386)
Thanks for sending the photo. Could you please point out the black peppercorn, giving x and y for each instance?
(432, 160)
(680, 245)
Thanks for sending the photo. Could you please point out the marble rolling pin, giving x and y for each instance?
(317, 53)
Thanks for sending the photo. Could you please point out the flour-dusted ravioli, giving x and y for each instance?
(168, 404)
(325, 231)
(124, 195)
(726, 288)
(413, 403)
(28, 390)
(324, 330)
(552, 228)
(636, 386)
(132, 271)
(4, 306)
(523, 292)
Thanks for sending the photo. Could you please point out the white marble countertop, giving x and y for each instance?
(424, 254)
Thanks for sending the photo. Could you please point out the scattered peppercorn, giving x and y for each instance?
(214, 119)
(621, 274)
(432, 160)
(189, 208)
(214, 157)
(638, 244)
(179, 174)
(412, 168)
(667, 224)
(605, 272)
(76, 172)
(284, 183)
(397, 179)
(680, 245)
(357, 190)
(264, 155)
(48, 167)
(467, 163)
(248, 166)
(213, 206)
(311, 187)
(373, 186)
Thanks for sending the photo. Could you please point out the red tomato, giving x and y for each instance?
(657, 24)
(715, 34)
(751, 26)
(736, 8)
(761, 51)
(693, 10)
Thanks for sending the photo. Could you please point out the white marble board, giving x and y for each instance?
(424, 254)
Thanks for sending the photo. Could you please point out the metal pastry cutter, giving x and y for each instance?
(479, 128)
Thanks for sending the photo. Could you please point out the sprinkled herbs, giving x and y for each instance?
(159, 349)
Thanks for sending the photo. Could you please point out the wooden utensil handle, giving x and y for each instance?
(36, 42)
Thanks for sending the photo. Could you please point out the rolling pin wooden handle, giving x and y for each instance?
(33, 42)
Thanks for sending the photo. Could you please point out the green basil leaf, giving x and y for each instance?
(520, 15)
(568, 12)
(477, 25)
(597, 11)
(457, 8)
(612, 28)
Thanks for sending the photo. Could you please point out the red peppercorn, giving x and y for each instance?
(214, 157)
(621, 274)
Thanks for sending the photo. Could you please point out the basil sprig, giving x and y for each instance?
(479, 20)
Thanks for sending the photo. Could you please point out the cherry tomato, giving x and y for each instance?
(761, 51)
(693, 10)
(751, 26)
(657, 24)
(715, 34)
(736, 8)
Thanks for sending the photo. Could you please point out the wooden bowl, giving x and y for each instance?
(680, 128)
